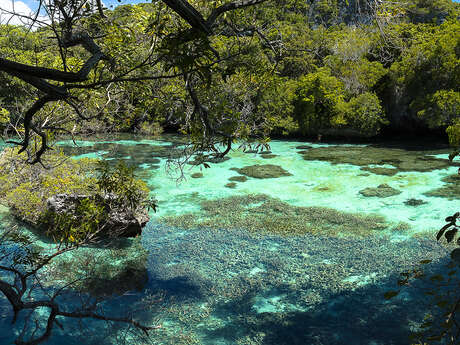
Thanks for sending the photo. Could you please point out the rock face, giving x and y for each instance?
(121, 221)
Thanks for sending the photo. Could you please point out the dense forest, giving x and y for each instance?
(100, 107)
(336, 68)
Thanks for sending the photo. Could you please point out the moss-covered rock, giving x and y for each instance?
(381, 171)
(382, 191)
(238, 178)
(197, 175)
(262, 214)
(263, 171)
(363, 156)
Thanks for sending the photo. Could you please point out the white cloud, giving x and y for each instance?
(7, 7)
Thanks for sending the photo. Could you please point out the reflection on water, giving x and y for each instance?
(301, 257)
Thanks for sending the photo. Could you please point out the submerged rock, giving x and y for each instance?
(414, 202)
(231, 185)
(382, 191)
(381, 171)
(218, 159)
(197, 175)
(120, 220)
(269, 156)
(202, 160)
(263, 171)
(303, 147)
(362, 156)
(238, 178)
(451, 190)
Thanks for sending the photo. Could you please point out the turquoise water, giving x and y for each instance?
(209, 281)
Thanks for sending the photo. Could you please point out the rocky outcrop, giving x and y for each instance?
(120, 220)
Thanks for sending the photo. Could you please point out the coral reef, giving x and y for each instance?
(263, 214)
(104, 271)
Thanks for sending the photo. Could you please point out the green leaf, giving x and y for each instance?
(450, 235)
(441, 232)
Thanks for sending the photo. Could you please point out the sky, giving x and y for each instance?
(24, 7)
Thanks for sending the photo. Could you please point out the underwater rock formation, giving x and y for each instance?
(381, 171)
(414, 202)
(238, 178)
(451, 190)
(259, 213)
(231, 185)
(382, 191)
(263, 171)
(120, 220)
(362, 156)
(268, 156)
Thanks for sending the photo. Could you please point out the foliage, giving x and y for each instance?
(25, 188)
(121, 181)
(364, 113)
(454, 133)
(317, 102)
(428, 73)
(4, 118)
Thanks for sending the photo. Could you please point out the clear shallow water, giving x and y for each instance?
(231, 286)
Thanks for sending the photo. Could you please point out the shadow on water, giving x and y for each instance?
(359, 317)
(180, 288)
